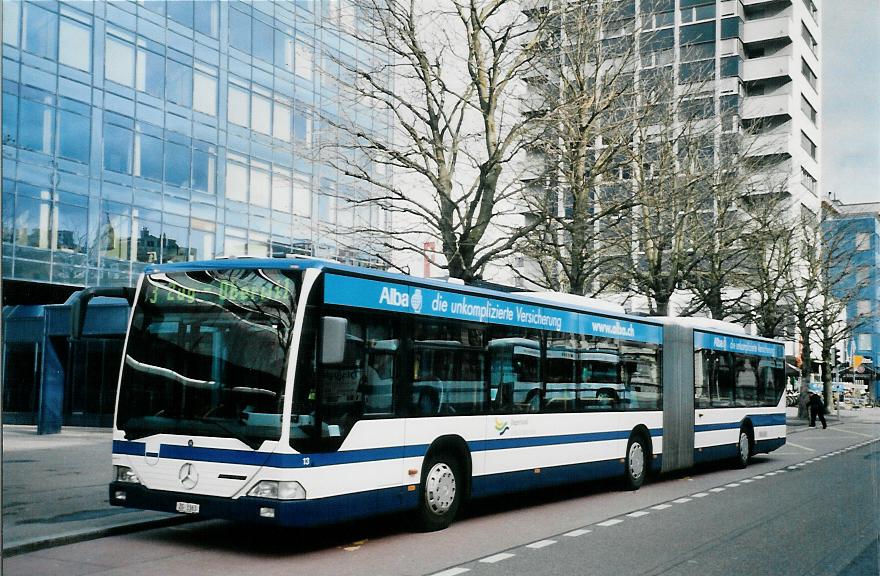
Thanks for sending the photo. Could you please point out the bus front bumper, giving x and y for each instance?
(294, 513)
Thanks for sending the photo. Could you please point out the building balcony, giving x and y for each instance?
(764, 68)
(776, 144)
(766, 106)
(766, 30)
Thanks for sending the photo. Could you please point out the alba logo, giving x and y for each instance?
(501, 426)
(394, 297)
(417, 301)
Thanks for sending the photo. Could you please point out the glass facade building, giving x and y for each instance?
(152, 131)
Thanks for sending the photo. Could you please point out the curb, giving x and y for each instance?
(34, 544)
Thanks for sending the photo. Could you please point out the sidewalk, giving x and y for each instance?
(55, 486)
(55, 490)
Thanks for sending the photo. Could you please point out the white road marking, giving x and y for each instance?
(682, 500)
(638, 514)
(611, 522)
(576, 533)
(838, 429)
(747, 481)
(661, 506)
(808, 449)
(541, 544)
(716, 490)
(452, 572)
(731, 485)
(497, 558)
(758, 477)
(700, 494)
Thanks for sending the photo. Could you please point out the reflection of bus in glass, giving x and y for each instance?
(514, 369)
(297, 392)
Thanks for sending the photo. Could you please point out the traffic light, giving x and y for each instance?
(836, 356)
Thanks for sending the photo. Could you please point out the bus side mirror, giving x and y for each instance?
(333, 343)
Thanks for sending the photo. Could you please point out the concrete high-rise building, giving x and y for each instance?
(153, 131)
(751, 67)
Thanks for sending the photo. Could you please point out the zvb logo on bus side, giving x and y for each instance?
(501, 426)
(393, 297)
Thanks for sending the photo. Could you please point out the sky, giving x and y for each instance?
(851, 99)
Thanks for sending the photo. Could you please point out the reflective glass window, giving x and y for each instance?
(240, 30)
(117, 148)
(150, 73)
(175, 245)
(304, 60)
(261, 114)
(177, 164)
(10, 118)
(236, 182)
(182, 11)
(148, 241)
(115, 240)
(33, 221)
(281, 192)
(204, 93)
(238, 111)
(72, 231)
(119, 62)
(148, 157)
(36, 126)
(11, 19)
(263, 46)
(74, 136)
(203, 170)
(40, 31)
(179, 83)
(259, 187)
(281, 122)
(302, 126)
(75, 40)
(302, 196)
(206, 18)
(283, 50)
(201, 244)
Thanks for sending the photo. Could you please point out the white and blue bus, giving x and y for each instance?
(300, 392)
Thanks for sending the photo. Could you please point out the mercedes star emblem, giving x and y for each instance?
(188, 476)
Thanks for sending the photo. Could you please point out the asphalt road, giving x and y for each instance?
(812, 507)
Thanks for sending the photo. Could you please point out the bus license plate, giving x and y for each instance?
(187, 507)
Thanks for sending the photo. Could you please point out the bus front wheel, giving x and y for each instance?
(636, 463)
(441, 492)
(744, 449)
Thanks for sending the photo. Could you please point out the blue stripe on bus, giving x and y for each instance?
(758, 420)
(226, 456)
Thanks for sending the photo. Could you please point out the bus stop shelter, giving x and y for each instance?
(59, 370)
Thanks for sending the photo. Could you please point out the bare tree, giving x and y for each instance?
(448, 73)
(581, 94)
(772, 250)
(824, 286)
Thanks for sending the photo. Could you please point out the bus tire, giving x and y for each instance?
(636, 462)
(743, 448)
(442, 490)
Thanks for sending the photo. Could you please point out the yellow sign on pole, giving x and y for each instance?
(857, 361)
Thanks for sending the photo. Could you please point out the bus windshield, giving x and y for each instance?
(207, 353)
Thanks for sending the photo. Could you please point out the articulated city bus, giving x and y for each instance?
(300, 392)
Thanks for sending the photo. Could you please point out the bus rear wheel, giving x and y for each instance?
(441, 493)
(636, 463)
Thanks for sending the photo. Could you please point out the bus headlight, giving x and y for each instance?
(278, 490)
(125, 474)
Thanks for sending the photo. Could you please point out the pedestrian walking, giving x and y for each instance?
(817, 408)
